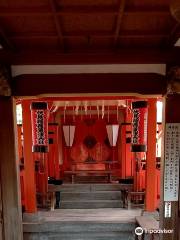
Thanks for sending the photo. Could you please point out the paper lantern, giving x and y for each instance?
(112, 131)
(39, 119)
(139, 126)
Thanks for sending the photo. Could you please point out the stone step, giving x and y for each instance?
(82, 224)
(91, 204)
(91, 179)
(100, 195)
(89, 187)
(81, 236)
(78, 226)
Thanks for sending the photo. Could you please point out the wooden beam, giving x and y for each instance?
(9, 172)
(93, 35)
(57, 24)
(119, 20)
(130, 55)
(81, 10)
(31, 85)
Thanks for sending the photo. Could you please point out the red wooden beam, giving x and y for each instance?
(81, 10)
(134, 56)
(93, 34)
(31, 85)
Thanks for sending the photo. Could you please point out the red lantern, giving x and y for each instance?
(139, 126)
(39, 119)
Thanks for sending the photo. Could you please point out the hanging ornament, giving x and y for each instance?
(69, 131)
(139, 126)
(39, 119)
(108, 113)
(98, 111)
(112, 132)
(65, 107)
(102, 109)
(85, 107)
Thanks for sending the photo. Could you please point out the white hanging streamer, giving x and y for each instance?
(65, 107)
(77, 108)
(108, 113)
(97, 110)
(90, 113)
(85, 107)
(102, 109)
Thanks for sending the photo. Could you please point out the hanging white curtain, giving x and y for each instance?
(69, 131)
(112, 131)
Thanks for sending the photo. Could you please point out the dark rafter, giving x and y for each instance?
(119, 20)
(4, 41)
(57, 24)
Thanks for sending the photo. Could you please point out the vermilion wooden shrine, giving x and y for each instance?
(92, 138)
(89, 62)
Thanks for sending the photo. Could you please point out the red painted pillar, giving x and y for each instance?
(21, 162)
(60, 147)
(151, 180)
(123, 151)
(29, 173)
(126, 154)
(53, 155)
(129, 162)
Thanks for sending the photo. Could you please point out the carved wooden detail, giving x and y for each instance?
(173, 78)
(175, 9)
(5, 89)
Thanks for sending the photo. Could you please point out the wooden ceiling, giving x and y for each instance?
(65, 27)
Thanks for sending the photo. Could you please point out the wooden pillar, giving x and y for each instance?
(123, 150)
(129, 160)
(9, 173)
(171, 115)
(29, 174)
(151, 180)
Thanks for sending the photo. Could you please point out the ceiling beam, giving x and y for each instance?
(119, 20)
(134, 56)
(137, 83)
(57, 24)
(93, 35)
(80, 10)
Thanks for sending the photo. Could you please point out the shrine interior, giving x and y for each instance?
(89, 119)
(79, 144)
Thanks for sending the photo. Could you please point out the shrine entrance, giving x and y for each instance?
(95, 140)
